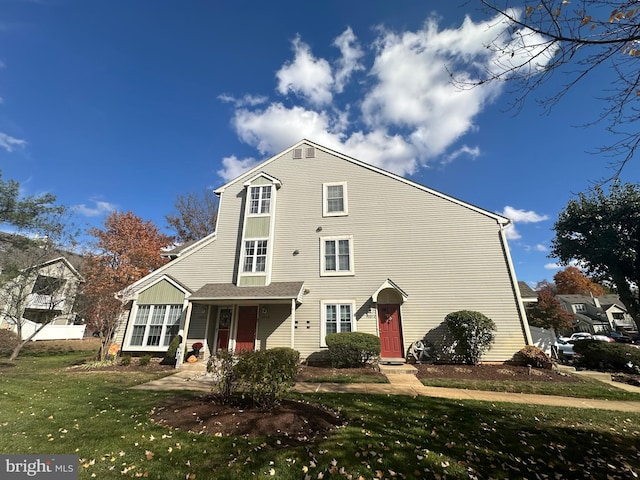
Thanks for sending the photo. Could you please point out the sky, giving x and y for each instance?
(124, 105)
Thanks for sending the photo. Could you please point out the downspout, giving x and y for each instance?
(514, 283)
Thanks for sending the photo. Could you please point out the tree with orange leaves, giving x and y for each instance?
(125, 250)
(571, 281)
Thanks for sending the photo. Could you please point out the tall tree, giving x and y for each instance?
(547, 312)
(571, 281)
(195, 215)
(125, 250)
(602, 232)
(40, 229)
(542, 37)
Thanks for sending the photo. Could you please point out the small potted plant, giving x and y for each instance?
(196, 348)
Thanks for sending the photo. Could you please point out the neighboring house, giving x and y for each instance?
(311, 242)
(528, 294)
(597, 314)
(46, 293)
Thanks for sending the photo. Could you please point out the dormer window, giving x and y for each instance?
(579, 307)
(260, 199)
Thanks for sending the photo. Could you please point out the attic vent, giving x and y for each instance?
(310, 152)
(297, 153)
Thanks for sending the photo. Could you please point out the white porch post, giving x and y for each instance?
(293, 322)
(187, 321)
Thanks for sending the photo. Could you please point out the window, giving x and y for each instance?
(155, 325)
(47, 285)
(579, 307)
(337, 256)
(255, 256)
(334, 199)
(260, 200)
(337, 317)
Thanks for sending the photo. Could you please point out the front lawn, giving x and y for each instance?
(47, 408)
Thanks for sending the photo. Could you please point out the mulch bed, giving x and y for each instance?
(289, 422)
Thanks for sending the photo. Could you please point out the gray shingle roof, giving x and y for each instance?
(229, 291)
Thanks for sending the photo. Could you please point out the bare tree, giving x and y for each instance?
(38, 286)
(575, 37)
(195, 216)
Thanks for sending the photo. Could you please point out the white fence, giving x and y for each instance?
(51, 332)
(543, 338)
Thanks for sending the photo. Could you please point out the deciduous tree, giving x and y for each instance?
(601, 230)
(125, 250)
(547, 312)
(542, 37)
(195, 216)
(571, 281)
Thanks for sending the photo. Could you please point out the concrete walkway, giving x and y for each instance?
(402, 381)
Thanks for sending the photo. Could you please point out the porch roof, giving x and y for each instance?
(230, 291)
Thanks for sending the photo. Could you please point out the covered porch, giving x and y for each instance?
(223, 316)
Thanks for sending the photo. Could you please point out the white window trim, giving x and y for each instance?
(325, 200)
(244, 256)
(259, 213)
(337, 273)
(147, 327)
(323, 315)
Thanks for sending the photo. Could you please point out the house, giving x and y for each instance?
(311, 242)
(597, 314)
(42, 290)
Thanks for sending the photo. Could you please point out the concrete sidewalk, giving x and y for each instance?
(402, 381)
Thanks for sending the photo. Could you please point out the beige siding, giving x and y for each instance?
(162, 292)
(274, 329)
(252, 281)
(258, 227)
(444, 255)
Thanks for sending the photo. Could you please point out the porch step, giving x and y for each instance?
(404, 369)
(392, 361)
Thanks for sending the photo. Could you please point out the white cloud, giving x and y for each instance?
(540, 248)
(350, 60)
(244, 101)
(408, 113)
(464, 150)
(100, 208)
(511, 233)
(306, 76)
(553, 266)
(10, 143)
(523, 216)
(234, 166)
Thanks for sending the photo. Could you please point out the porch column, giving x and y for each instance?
(187, 321)
(293, 322)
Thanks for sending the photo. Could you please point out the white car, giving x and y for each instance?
(564, 345)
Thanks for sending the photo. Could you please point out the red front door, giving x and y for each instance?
(246, 334)
(390, 331)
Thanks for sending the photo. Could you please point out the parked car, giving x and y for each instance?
(564, 345)
(620, 337)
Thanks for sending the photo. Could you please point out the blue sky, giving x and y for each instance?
(125, 105)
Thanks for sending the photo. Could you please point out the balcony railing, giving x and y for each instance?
(38, 301)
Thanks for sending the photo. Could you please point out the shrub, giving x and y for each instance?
(8, 341)
(266, 376)
(532, 355)
(170, 356)
(220, 366)
(144, 361)
(604, 355)
(125, 361)
(352, 349)
(472, 334)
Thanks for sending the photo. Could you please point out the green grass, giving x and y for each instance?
(46, 408)
(585, 388)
